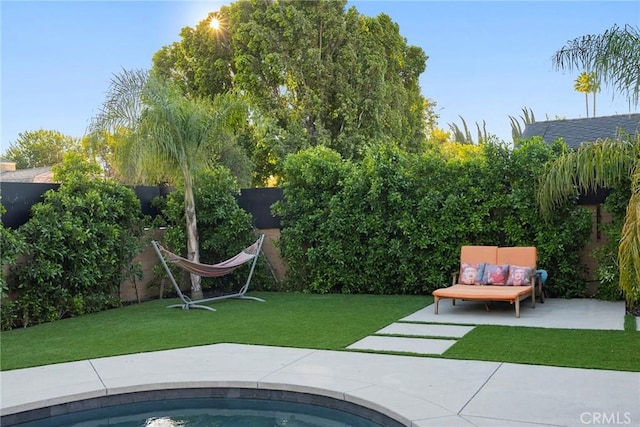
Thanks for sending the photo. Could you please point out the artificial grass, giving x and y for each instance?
(593, 349)
(630, 323)
(329, 322)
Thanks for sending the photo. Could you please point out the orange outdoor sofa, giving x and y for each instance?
(492, 273)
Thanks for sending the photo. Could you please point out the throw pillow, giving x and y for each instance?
(519, 276)
(495, 274)
(471, 274)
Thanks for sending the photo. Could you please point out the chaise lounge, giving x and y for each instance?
(492, 273)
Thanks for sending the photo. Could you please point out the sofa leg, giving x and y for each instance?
(533, 297)
(435, 305)
(517, 307)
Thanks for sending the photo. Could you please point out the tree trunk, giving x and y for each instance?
(594, 104)
(193, 247)
(586, 102)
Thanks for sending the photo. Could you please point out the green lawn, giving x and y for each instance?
(617, 350)
(286, 319)
(329, 322)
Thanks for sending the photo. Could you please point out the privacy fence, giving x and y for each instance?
(18, 197)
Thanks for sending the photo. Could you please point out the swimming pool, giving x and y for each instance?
(224, 407)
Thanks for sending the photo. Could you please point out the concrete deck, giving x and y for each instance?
(578, 313)
(425, 332)
(418, 391)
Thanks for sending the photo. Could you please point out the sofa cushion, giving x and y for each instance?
(520, 276)
(471, 273)
(495, 274)
(517, 255)
(478, 254)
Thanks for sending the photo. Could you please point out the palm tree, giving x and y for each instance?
(466, 138)
(588, 83)
(170, 137)
(605, 163)
(582, 85)
(614, 56)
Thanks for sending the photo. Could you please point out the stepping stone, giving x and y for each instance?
(403, 345)
(424, 330)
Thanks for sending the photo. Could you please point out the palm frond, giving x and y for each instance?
(528, 116)
(123, 105)
(516, 129)
(629, 247)
(614, 56)
(603, 163)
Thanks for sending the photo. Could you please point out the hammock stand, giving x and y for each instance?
(249, 254)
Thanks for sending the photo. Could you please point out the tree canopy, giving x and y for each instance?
(313, 72)
(40, 148)
(614, 56)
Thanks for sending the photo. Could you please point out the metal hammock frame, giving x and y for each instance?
(249, 254)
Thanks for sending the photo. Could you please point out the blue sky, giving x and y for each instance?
(487, 60)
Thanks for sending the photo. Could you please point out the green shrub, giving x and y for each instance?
(11, 244)
(394, 223)
(313, 177)
(80, 242)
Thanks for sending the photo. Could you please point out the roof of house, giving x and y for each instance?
(43, 174)
(575, 132)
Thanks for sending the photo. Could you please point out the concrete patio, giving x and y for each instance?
(425, 332)
(577, 313)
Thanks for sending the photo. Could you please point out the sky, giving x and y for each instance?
(487, 60)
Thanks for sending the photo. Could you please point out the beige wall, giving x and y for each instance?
(140, 290)
(272, 252)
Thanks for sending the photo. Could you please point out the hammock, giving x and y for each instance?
(248, 254)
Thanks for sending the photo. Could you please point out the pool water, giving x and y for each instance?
(209, 412)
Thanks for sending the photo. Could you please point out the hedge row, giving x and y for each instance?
(394, 223)
(80, 243)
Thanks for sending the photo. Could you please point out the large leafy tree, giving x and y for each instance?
(615, 57)
(101, 146)
(201, 63)
(170, 137)
(330, 76)
(314, 73)
(40, 148)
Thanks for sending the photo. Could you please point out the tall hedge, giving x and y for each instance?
(79, 247)
(394, 223)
